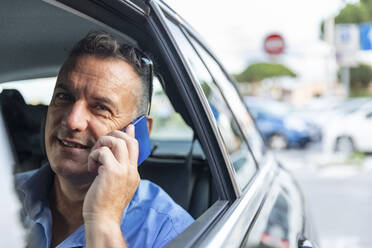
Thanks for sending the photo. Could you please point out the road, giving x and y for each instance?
(339, 195)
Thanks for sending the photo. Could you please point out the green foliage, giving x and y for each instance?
(367, 5)
(360, 77)
(359, 92)
(357, 158)
(206, 89)
(259, 71)
(353, 13)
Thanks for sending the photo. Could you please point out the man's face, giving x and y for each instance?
(91, 99)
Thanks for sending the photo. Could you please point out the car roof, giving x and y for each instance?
(36, 37)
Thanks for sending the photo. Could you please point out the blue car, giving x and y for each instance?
(279, 128)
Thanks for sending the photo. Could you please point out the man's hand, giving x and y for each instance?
(114, 157)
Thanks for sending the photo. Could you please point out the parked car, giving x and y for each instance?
(350, 131)
(279, 126)
(320, 111)
(206, 151)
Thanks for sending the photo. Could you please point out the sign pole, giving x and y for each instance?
(345, 79)
(347, 41)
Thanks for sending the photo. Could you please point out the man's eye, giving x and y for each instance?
(101, 107)
(63, 96)
(102, 110)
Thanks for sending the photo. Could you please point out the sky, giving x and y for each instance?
(235, 31)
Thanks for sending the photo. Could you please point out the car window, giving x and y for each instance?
(34, 91)
(239, 154)
(273, 227)
(234, 100)
(24, 105)
(168, 124)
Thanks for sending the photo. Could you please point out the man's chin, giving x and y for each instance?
(71, 170)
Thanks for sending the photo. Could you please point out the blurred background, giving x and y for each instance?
(305, 71)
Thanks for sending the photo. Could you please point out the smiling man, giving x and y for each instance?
(90, 193)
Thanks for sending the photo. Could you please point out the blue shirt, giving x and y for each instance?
(151, 219)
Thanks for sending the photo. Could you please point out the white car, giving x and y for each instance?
(350, 132)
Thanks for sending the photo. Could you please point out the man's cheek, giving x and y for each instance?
(100, 128)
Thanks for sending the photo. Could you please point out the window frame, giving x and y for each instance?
(231, 224)
(234, 87)
(189, 36)
(203, 115)
(234, 174)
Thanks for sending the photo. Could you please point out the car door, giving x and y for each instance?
(239, 216)
(283, 207)
(361, 130)
(262, 196)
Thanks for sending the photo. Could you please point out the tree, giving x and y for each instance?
(259, 71)
(360, 77)
(357, 13)
(353, 13)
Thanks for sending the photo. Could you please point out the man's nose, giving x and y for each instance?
(78, 117)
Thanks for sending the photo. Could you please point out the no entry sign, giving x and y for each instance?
(274, 44)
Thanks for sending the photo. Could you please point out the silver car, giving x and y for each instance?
(206, 150)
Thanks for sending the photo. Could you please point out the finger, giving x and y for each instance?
(100, 157)
(118, 146)
(131, 130)
(131, 143)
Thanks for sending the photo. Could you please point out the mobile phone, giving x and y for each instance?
(143, 138)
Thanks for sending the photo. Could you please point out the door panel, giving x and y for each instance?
(280, 222)
(231, 229)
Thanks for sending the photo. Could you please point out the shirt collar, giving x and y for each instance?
(36, 189)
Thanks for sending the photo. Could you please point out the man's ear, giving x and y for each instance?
(149, 123)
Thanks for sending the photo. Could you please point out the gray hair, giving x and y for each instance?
(104, 45)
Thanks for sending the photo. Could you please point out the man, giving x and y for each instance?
(90, 193)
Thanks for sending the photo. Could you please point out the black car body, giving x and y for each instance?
(222, 174)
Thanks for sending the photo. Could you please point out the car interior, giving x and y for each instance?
(33, 50)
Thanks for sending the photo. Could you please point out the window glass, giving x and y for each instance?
(34, 91)
(239, 154)
(273, 228)
(234, 100)
(168, 124)
(24, 105)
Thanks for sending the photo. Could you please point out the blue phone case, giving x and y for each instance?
(142, 136)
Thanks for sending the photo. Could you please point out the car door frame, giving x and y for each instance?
(236, 222)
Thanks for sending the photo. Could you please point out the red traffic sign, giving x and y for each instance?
(274, 44)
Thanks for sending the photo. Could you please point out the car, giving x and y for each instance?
(279, 126)
(207, 153)
(350, 131)
(320, 111)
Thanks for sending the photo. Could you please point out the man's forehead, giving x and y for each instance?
(113, 70)
(113, 81)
